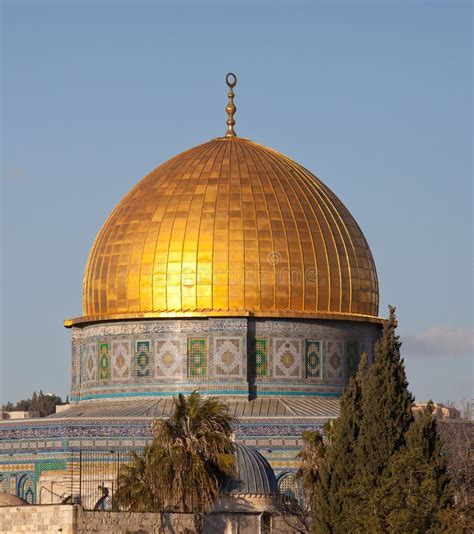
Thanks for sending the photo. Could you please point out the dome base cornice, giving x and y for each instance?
(280, 314)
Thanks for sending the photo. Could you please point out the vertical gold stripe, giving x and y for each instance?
(262, 289)
(256, 281)
(275, 249)
(291, 185)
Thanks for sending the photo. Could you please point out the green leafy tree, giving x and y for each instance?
(44, 404)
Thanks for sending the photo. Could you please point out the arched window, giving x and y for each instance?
(288, 485)
(26, 489)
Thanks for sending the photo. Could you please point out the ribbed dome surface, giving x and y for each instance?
(253, 476)
(234, 228)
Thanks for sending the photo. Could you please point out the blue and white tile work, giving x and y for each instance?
(279, 377)
(47, 450)
(241, 356)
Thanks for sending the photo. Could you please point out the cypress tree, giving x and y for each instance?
(386, 408)
(382, 471)
(417, 495)
(333, 489)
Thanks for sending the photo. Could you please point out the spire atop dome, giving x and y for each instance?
(231, 81)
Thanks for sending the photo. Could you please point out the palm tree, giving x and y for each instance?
(198, 452)
(137, 489)
(181, 470)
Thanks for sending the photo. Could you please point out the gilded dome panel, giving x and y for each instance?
(233, 228)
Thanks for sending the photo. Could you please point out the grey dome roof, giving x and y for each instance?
(253, 475)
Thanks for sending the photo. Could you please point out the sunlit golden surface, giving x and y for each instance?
(232, 228)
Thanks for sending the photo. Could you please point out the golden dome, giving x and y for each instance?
(230, 228)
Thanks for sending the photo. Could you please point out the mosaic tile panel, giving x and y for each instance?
(142, 363)
(121, 360)
(104, 362)
(75, 371)
(4, 484)
(197, 358)
(334, 360)
(52, 465)
(82, 354)
(352, 356)
(228, 356)
(90, 362)
(168, 362)
(261, 357)
(313, 359)
(281, 430)
(228, 325)
(286, 358)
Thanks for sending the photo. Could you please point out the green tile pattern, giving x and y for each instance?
(197, 357)
(142, 359)
(313, 359)
(261, 357)
(52, 465)
(104, 361)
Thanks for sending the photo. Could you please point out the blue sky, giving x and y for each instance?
(374, 98)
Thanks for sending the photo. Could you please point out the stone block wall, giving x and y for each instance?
(68, 519)
(38, 519)
(133, 523)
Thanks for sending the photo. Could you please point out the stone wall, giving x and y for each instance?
(223, 356)
(36, 519)
(69, 519)
(133, 523)
(74, 520)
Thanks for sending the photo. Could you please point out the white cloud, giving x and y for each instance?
(439, 341)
